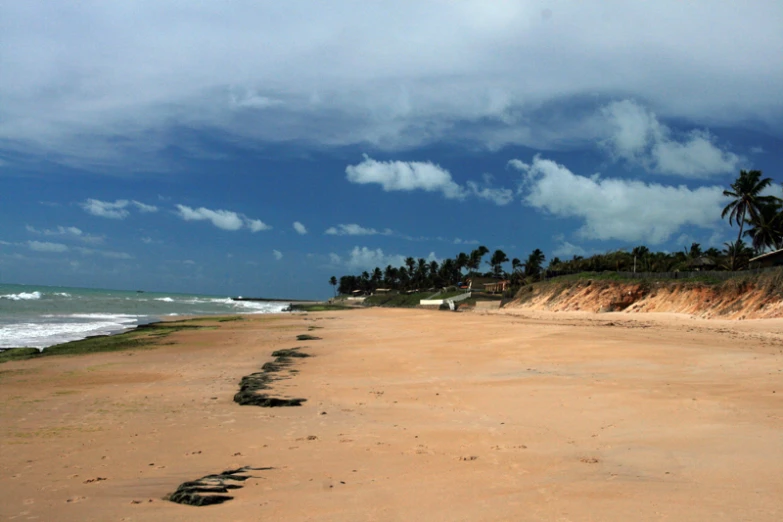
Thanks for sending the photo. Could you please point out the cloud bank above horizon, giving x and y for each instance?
(77, 76)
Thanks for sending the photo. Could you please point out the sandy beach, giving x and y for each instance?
(410, 415)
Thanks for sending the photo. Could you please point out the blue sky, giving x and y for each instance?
(258, 148)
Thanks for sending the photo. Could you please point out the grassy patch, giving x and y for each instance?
(209, 318)
(397, 300)
(613, 276)
(145, 336)
(449, 294)
(18, 354)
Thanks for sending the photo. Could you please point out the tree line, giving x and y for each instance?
(759, 218)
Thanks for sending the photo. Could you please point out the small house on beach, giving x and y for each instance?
(499, 286)
(774, 258)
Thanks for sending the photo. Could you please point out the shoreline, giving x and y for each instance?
(410, 414)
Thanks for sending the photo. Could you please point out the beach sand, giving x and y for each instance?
(410, 415)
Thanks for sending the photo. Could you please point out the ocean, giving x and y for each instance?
(40, 316)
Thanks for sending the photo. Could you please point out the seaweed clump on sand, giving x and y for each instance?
(211, 489)
(251, 385)
(306, 337)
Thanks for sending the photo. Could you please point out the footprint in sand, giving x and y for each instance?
(75, 499)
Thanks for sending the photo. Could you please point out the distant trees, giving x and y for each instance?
(333, 282)
(758, 215)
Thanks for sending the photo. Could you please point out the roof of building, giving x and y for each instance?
(774, 253)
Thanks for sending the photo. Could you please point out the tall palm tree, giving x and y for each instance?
(411, 264)
(474, 262)
(767, 231)
(746, 198)
(534, 263)
(496, 261)
(737, 255)
(461, 261)
(333, 282)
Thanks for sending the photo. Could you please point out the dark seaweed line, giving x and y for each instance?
(191, 493)
(251, 385)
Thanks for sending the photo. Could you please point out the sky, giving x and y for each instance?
(257, 148)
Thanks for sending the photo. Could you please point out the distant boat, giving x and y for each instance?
(139, 291)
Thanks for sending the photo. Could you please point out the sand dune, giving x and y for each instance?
(410, 415)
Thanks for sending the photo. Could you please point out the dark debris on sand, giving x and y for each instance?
(211, 489)
(251, 386)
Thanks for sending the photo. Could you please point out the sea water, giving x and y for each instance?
(40, 316)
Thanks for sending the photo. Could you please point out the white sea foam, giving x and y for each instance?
(260, 307)
(68, 328)
(22, 296)
(40, 317)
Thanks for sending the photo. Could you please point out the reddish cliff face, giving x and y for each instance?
(751, 297)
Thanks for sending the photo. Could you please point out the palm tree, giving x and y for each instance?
(411, 264)
(376, 278)
(534, 262)
(333, 282)
(767, 231)
(474, 262)
(448, 271)
(641, 253)
(389, 276)
(498, 258)
(461, 261)
(746, 199)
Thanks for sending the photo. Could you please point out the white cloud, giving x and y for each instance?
(459, 241)
(416, 175)
(334, 259)
(278, 255)
(300, 228)
(363, 258)
(115, 210)
(413, 79)
(568, 250)
(617, 208)
(67, 232)
(636, 136)
(499, 196)
(757, 150)
(224, 219)
(256, 225)
(144, 208)
(352, 229)
(106, 209)
(405, 175)
(105, 253)
(45, 246)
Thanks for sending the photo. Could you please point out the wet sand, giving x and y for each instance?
(410, 415)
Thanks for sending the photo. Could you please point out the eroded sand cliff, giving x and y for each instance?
(750, 297)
